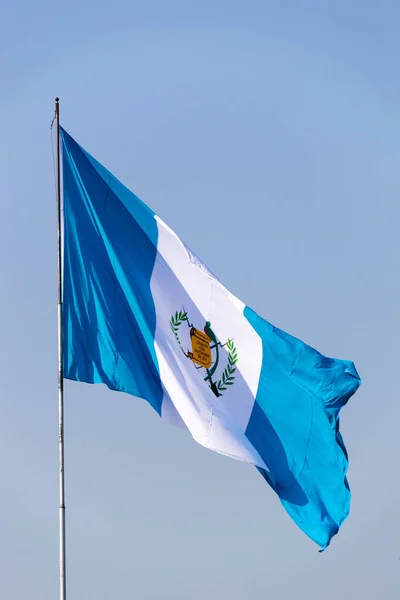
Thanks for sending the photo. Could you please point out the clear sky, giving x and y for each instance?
(267, 134)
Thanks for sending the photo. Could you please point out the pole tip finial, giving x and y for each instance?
(57, 99)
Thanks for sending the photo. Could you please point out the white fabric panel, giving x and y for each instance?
(181, 282)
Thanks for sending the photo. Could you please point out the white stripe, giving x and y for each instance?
(180, 281)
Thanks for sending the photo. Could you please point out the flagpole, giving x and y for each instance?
(60, 365)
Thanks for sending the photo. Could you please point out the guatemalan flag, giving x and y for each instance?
(144, 315)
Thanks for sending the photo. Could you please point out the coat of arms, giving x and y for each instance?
(205, 352)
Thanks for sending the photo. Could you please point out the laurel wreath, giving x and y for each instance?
(228, 376)
(176, 321)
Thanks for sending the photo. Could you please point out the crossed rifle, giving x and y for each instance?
(210, 372)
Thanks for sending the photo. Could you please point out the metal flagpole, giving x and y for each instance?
(60, 365)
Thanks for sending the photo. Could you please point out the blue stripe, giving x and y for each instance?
(295, 428)
(108, 310)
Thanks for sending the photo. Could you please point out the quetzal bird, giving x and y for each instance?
(210, 372)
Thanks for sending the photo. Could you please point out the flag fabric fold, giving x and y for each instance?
(143, 315)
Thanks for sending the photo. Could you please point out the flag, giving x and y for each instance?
(144, 315)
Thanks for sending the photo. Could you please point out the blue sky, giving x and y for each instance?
(267, 135)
